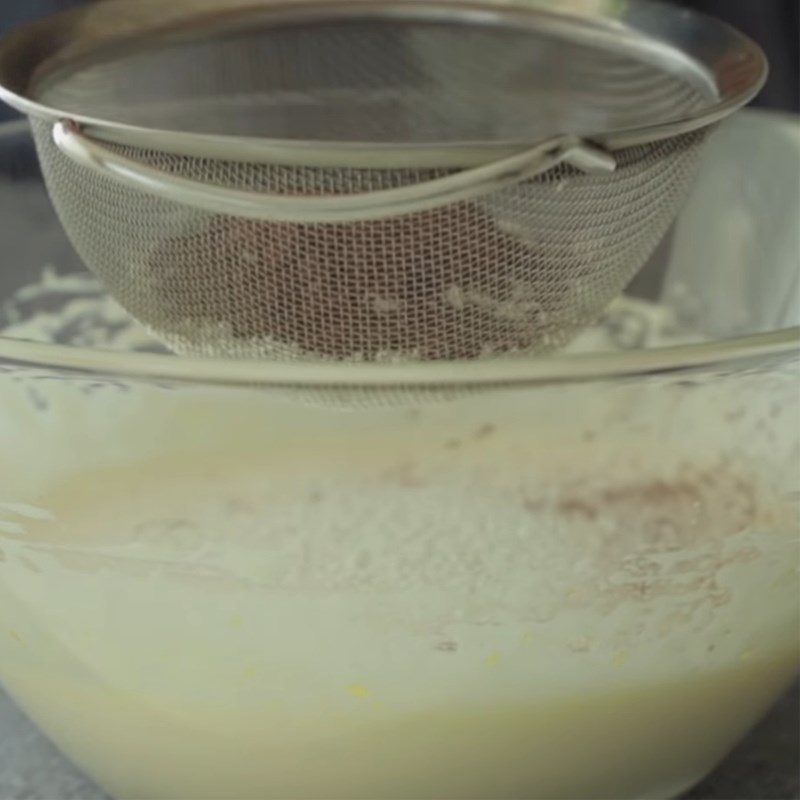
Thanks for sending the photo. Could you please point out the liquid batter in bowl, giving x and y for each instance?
(453, 606)
(579, 590)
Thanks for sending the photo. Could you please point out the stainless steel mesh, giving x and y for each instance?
(521, 269)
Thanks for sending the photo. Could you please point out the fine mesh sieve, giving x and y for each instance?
(371, 180)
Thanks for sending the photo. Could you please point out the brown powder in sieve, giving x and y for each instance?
(446, 284)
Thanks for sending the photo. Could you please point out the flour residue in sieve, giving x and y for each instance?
(75, 309)
(627, 324)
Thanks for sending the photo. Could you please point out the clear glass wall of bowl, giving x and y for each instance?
(561, 589)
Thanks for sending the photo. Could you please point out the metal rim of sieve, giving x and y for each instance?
(726, 65)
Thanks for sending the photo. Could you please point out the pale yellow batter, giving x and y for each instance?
(440, 613)
(574, 592)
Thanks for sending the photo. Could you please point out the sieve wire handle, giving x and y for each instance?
(467, 184)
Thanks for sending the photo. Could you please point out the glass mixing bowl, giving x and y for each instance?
(559, 578)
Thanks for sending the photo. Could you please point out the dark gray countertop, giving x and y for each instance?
(765, 767)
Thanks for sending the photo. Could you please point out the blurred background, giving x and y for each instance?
(775, 24)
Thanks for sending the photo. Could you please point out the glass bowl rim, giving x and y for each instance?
(725, 354)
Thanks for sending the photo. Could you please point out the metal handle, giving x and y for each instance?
(464, 185)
